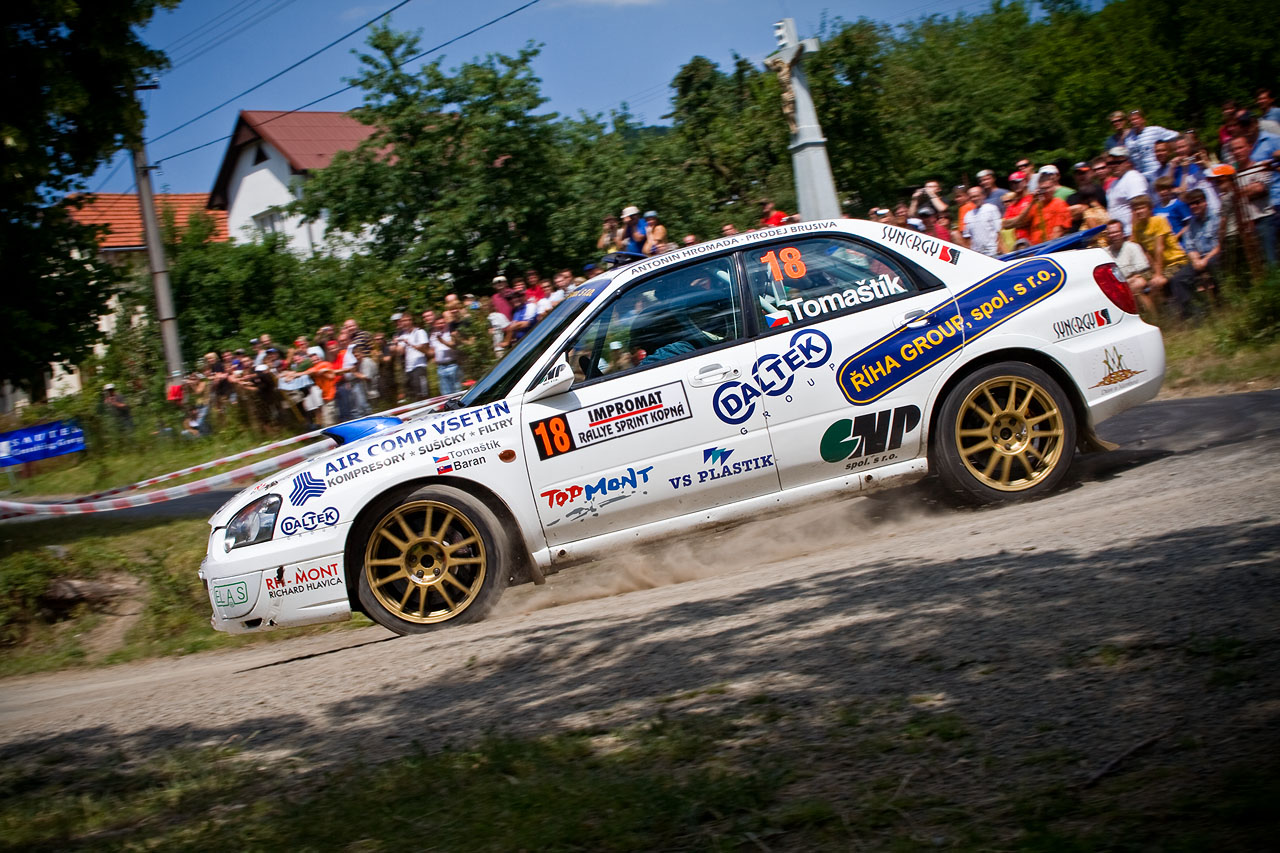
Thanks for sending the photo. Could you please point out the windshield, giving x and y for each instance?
(497, 383)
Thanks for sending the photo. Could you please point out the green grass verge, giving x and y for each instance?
(726, 779)
(125, 462)
(158, 559)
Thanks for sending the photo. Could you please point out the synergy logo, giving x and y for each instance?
(735, 402)
(716, 455)
(306, 486)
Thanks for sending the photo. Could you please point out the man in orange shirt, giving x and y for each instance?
(1050, 216)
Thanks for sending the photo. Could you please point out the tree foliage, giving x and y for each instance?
(468, 176)
(70, 69)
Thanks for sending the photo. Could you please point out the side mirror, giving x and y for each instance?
(557, 380)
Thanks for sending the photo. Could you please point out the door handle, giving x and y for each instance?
(916, 319)
(711, 374)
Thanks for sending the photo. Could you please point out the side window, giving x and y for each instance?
(812, 279)
(659, 319)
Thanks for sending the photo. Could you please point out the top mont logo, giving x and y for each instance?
(306, 486)
(774, 373)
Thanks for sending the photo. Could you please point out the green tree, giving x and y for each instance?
(457, 182)
(70, 70)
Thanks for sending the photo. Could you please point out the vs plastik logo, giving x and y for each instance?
(305, 487)
(716, 455)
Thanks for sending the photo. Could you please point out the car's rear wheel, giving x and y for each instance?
(1006, 432)
(437, 557)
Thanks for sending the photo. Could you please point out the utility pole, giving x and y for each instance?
(157, 261)
(815, 186)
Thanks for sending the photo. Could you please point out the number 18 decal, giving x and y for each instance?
(791, 263)
(553, 436)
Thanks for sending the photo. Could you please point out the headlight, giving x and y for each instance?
(253, 524)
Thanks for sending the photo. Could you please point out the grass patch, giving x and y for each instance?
(123, 463)
(1237, 345)
(162, 556)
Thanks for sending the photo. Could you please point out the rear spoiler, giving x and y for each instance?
(1078, 240)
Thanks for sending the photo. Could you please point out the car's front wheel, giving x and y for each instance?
(1006, 432)
(439, 556)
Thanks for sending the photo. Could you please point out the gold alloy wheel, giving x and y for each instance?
(1009, 433)
(425, 562)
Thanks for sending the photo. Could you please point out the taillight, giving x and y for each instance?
(1113, 285)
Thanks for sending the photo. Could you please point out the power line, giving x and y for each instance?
(200, 30)
(110, 176)
(204, 48)
(438, 47)
(280, 74)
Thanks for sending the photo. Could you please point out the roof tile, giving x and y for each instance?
(122, 215)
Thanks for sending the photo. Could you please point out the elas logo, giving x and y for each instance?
(868, 435)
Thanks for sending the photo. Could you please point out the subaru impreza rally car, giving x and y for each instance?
(713, 383)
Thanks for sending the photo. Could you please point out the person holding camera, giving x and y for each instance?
(930, 195)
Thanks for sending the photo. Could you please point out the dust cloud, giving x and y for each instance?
(726, 549)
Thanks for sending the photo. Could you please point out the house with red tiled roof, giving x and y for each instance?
(268, 159)
(121, 215)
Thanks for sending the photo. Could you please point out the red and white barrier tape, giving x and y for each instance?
(410, 408)
(93, 503)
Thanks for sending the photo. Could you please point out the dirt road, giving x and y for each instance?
(1139, 603)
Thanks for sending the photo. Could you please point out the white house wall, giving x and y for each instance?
(256, 189)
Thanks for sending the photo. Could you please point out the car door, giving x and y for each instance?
(864, 408)
(636, 438)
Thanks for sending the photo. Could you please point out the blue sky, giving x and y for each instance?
(596, 54)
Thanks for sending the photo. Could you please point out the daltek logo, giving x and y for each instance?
(309, 521)
(868, 438)
(1083, 324)
(305, 487)
(774, 373)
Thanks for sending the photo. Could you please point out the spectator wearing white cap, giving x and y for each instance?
(1128, 184)
(1051, 179)
(995, 195)
(631, 234)
(655, 233)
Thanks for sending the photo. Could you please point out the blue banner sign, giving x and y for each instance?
(869, 374)
(40, 442)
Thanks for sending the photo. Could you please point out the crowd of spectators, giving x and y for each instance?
(1171, 210)
(1174, 212)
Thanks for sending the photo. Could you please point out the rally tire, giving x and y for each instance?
(435, 558)
(1005, 433)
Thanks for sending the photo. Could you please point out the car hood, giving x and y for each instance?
(350, 434)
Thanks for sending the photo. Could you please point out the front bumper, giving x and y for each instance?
(297, 580)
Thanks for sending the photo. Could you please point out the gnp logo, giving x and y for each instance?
(305, 487)
(868, 435)
(735, 402)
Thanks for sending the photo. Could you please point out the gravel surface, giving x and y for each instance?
(1134, 614)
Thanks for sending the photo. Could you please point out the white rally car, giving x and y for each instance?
(703, 386)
